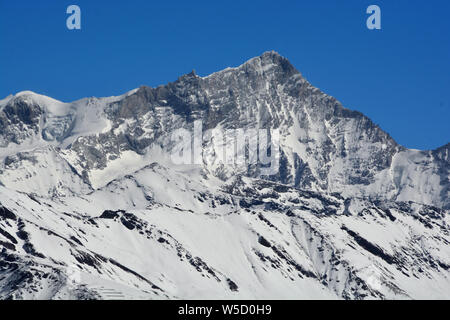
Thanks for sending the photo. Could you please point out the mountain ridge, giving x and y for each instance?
(5, 100)
(93, 206)
(324, 147)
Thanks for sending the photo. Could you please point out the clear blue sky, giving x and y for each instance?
(399, 76)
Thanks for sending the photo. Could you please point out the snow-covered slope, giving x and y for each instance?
(92, 205)
(161, 234)
(29, 120)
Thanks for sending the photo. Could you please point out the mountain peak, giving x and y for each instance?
(35, 97)
(271, 59)
(271, 54)
(325, 146)
(269, 62)
(25, 93)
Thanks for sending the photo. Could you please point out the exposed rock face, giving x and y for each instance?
(19, 120)
(89, 196)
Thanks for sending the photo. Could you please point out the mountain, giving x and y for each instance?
(92, 204)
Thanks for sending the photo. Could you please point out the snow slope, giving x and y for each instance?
(161, 234)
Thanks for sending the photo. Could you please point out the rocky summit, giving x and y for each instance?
(92, 204)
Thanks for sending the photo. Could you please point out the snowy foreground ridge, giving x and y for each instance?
(93, 207)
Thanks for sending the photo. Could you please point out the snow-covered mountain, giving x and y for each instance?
(92, 205)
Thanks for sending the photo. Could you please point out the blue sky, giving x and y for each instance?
(398, 76)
